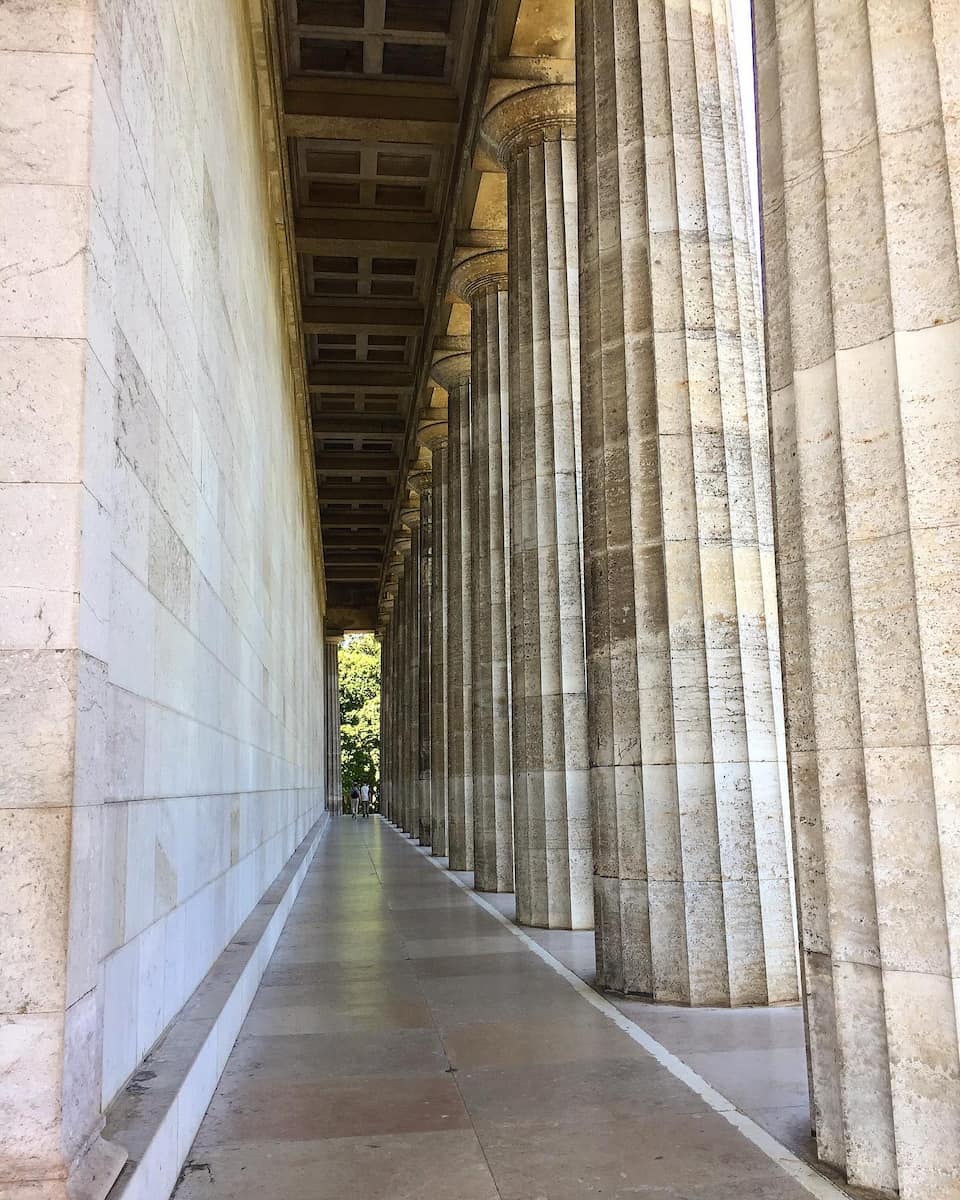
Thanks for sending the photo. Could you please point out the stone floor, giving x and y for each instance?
(406, 1043)
(755, 1057)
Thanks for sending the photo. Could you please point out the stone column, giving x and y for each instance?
(421, 481)
(390, 772)
(331, 664)
(480, 280)
(328, 730)
(532, 131)
(692, 880)
(410, 720)
(389, 756)
(382, 736)
(432, 434)
(386, 692)
(452, 372)
(860, 155)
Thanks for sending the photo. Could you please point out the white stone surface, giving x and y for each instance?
(156, 1170)
(160, 644)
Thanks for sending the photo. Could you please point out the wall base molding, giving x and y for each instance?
(156, 1116)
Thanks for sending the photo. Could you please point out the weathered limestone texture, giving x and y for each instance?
(533, 132)
(386, 695)
(421, 481)
(860, 169)
(332, 722)
(452, 372)
(692, 879)
(481, 282)
(432, 434)
(389, 681)
(161, 645)
(410, 626)
(392, 617)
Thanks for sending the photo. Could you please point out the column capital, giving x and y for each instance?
(333, 636)
(432, 429)
(410, 516)
(534, 113)
(449, 370)
(451, 343)
(401, 539)
(420, 476)
(480, 273)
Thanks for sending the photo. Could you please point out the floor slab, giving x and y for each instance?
(405, 1045)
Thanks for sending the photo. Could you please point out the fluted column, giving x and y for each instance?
(452, 372)
(333, 650)
(383, 735)
(860, 155)
(339, 745)
(383, 637)
(409, 724)
(432, 435)
(532, 132)
(393, 761)
(327, 727)
(481, 282)
(692, 879)
(421, 481)
(331, 725)
(327, 768)
(388, 686)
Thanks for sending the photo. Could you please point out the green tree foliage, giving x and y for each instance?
(360, 710)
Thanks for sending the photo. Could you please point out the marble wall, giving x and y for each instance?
(161, 617)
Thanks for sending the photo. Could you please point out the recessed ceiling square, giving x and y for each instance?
(430, 16)
(333, 162)
(327, 265)
(335, 57)
(320, 191)
(414, 60)
(392, 287)
(396, 195)
(344, 14)
(394, 266)
(413, 166)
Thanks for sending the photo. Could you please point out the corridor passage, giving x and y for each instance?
(406, 1044)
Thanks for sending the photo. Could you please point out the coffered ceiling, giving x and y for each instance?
(375, 95)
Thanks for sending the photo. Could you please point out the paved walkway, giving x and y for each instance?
(405, 1045)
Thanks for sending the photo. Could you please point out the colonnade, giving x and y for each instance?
(603, 674)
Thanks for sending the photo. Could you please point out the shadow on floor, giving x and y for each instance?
(755, 1057)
